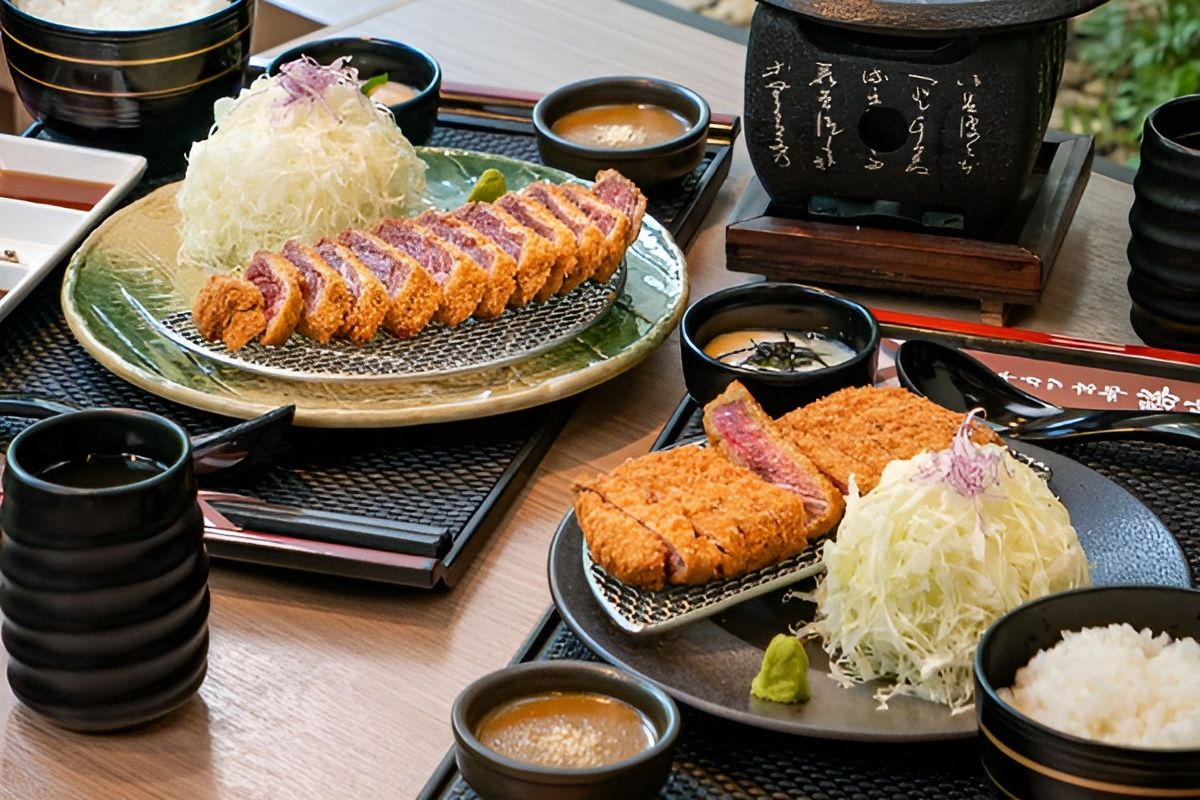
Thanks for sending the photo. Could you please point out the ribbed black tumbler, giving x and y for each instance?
(104, 574)
(1164, 253)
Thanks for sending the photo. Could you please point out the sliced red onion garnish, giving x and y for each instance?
(967, 467)
(305, 79)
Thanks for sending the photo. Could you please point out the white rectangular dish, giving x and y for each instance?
(42, 234)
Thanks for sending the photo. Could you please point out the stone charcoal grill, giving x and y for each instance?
(928, 112)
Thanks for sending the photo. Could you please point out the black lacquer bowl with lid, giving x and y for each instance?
(1028, 759)
(149, 91)
(104, 590)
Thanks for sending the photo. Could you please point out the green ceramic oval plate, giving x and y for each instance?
(125, 277)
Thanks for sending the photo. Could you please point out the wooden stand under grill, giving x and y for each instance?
(1010, 270)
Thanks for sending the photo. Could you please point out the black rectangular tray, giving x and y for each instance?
(458, 476)
(717, 759)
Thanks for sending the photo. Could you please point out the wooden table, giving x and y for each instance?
(319, 688)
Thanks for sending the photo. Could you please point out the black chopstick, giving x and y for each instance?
(328, 526)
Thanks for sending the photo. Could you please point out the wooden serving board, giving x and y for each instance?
(1010, 270)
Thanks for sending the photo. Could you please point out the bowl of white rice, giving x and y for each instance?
(1093, 693)
(135, 76)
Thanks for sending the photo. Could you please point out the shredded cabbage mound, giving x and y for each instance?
(302, 154)
(943, 546)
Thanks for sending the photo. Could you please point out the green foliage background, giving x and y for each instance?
(1145, 52)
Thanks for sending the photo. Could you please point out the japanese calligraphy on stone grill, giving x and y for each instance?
(827, 128)
(968, 124)
(777, 85)
(873, 78)
(922, 99)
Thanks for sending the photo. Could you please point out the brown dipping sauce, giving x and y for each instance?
(51, 191)
(620, 126)
(102, 471)
(570, 730)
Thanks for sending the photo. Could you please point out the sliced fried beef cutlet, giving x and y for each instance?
(738, 428)
(590, 246)
(857, 431)
(539, 220)
(611, 222)
(280, 283)
(622, 194)
(462, 281)
(687, 516)
(533, 254)
(499, 266)
(369, 301)
(326, 297)
(229, 310)
(415, 296)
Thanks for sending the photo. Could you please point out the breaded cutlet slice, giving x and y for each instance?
(500, 267)
(860, 430)
(590, 246)
(533, 254)
(538, 218)
(326, 297)
(612, 222)
(280, 284)
(230, 310)
(621, 193)
(462, 281)
(414, 296)
(686, 516)
(369, 301)
(738, 428)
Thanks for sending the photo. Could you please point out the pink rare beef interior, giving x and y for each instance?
(753, 446)
(329, 252)
(272, 288)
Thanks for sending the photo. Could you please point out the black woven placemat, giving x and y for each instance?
(716, 758)
(453, 475)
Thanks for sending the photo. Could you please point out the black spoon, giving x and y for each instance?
(220, 454)
(956, 381)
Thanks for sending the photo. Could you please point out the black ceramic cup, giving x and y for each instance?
(103, 572)
(1164, 251)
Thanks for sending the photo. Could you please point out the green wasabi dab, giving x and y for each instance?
(784, 674)
(489, 188)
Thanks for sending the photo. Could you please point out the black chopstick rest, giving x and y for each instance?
(326, 526)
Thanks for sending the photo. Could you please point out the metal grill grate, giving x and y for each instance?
(643, 611)
(476, 344)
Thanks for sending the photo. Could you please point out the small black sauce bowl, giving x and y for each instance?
(498, 777)
(645, 166)
(1029, 760)
(403, 63)
(770, 306)
(149, 92)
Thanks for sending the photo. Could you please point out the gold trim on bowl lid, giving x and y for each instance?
(155, 93)
(1075, 780)
(123, 62)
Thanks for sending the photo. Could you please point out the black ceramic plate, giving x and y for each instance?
(710, 663)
